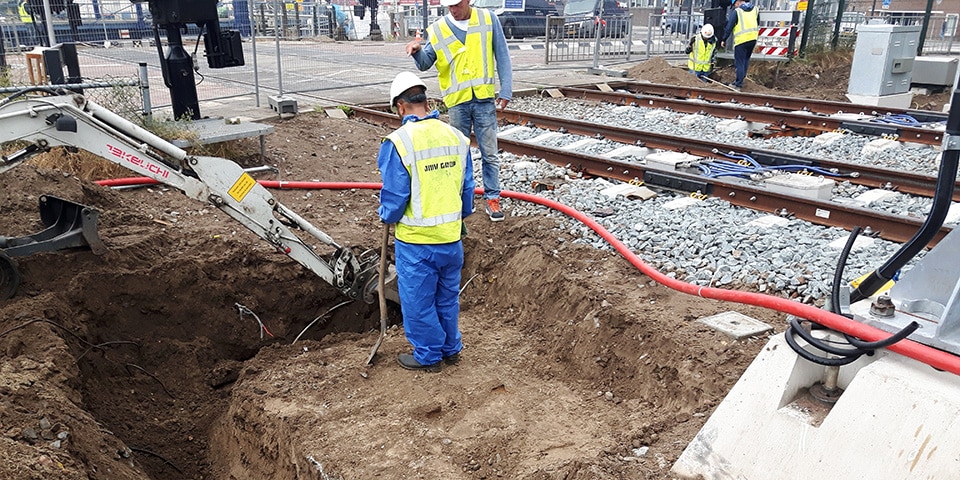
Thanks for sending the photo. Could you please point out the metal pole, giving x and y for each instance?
(598, 23)
(16, 38)
(145, 89)
(48, 19)
(276, 39)
(807, 22)
(923, 28)
(253, 44)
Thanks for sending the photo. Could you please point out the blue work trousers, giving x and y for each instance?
(741, 60)
(428, 277)
(481, 116)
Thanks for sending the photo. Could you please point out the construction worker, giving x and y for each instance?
(467, 45)
(701, 50)
(744, 23)
(25, 16)
(427, 191)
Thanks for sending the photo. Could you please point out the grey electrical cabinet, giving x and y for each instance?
(883, 59)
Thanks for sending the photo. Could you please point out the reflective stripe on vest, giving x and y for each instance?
(465, 69)
(699, 60)
(433, 154)
(747, 27)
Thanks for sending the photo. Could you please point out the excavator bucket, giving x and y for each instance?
(9, 276)
(67, 225)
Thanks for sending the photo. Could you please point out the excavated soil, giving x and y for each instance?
(137, 363)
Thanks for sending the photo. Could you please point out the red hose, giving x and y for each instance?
(917, 351)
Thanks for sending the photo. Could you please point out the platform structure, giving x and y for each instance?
(896, 418)
(216, 130)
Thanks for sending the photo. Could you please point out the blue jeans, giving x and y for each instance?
(481, 115)
(741, 60)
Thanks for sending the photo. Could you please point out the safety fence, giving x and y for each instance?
(579, 38)
(835, 23)
(289, 47)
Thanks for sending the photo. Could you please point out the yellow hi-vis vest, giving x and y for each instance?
(433, 154)
(747, 27)
(24, 15)
(465, 70)
(699, 60)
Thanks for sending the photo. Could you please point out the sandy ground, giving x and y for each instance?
(137, 363)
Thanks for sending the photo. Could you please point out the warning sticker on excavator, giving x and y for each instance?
(241, 187)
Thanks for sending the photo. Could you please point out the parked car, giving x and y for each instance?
(531, 22)
(680, 23)
(584, 16)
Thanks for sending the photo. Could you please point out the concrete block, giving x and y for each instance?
(583, 142)
(692, 119)
(735, 324)
(512, 130)
(628, 151)
(632, 192)
(769, 426)
(282, 104)
(874, 195)
(896, 100)
(880, 145)
(657, 114)
(828, 138)
(807, 186)
(859, 244)
(335, 113)
(769, 221)
(544, 137)
(731, 125)
(671, 160)
(953, 214)
(680, 203)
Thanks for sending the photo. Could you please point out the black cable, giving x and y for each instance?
(946, 179)
(896, 337)
(803, 353)
(838, 272)
(797, 329)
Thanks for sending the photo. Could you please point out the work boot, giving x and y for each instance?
(493, 210)
(408, 362)
(452, 359)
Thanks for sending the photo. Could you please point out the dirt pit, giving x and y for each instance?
(138, 363)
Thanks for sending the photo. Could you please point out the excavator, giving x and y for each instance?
(44, 122)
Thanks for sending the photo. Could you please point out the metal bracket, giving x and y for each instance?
(951, 142)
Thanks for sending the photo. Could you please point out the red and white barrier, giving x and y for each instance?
(776, 41)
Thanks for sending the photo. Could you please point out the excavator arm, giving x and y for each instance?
(72, 121)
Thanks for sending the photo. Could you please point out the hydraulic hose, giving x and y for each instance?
(917, 351)
(943, 196)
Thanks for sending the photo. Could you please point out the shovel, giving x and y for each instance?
(382, 294)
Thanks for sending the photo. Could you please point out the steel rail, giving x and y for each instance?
(891, 227)
(825, 107)
(874, 177)
(784, 123)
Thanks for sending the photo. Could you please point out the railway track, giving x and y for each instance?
(779, 118)
(753, 195)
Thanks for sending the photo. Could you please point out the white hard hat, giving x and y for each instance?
(449, 3)
(707, 31)
(401, 83)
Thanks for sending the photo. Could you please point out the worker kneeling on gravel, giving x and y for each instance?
(427, 192)
(701, 50)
